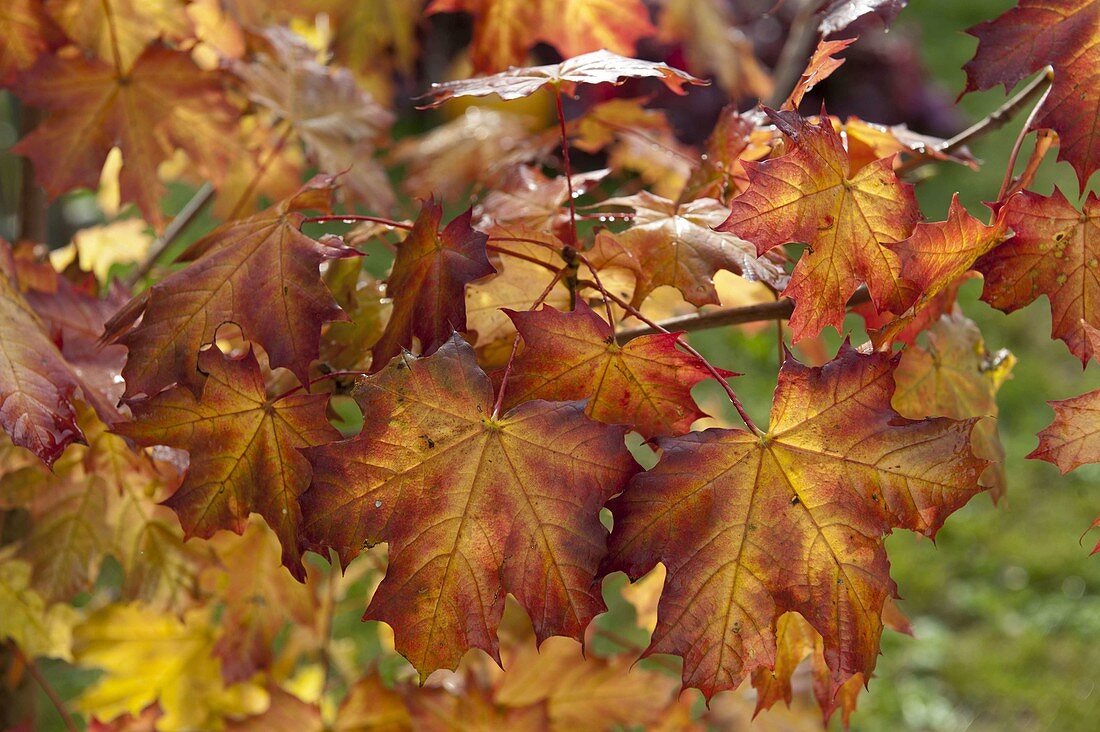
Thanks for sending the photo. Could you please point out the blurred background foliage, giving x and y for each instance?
(1005, 606)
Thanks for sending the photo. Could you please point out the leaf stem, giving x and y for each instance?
(50, 692)
(567, 165)
(515, 344)
(261, 170)
(1044, 82)
(179, 223)
(116, 53)
(524, 257)
(682, 342)
(781, 308)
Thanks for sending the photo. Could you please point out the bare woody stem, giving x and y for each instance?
(567, 166)
(781, 309)
(51, 693)
(1047, 77)
(682, 342)
(992, 122)
(171, 232)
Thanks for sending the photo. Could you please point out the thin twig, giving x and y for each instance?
(1006, 182)
(519, 255)
(33, 202)
(682, 342)
(781, 308)
(183, 218)
(795, 52)
(499, 404)
(51, 693)
(568, 167)
(992, 122)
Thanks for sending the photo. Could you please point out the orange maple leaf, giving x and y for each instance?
(504, 30)
(573, 355)
(473, 506)
(162, 103)
(1065, 35)
(242, 446)
(260, 273)
(752, 526)
(847, 218)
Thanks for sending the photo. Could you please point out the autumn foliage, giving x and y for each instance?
(439, 416)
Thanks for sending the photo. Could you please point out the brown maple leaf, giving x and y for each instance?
(117, 31)
(573, 355)
(1063, 34)
(504, 30)
(338, 122)
(955, 376)
(162, 103)
(675, 244)
(752, 526)
(1054, 252)
(821, 66)
(598, 67)
(428, 283)
(473, 506)
(847, 218)
(242, 446)
(260, 273)
(28, 32)
(1073, 438)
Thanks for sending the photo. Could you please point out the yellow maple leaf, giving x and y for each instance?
(25, 619)
(98, 248)
(152, 657)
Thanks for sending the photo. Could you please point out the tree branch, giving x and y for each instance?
(51, 693)
(992, 122)
(781, 309)
(183, 218)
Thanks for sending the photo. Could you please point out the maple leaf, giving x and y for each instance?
(517, 284)
(796, 641)
(573, 355)
(955, 376)
(713, 42)
(371, 705)
(28, 32)
(1037, 33)
(37, 628)
(119, 30)
(578, 689)
(1054, 252)
(637, 139)
(243, 449)
(99, 248)
(528, 200)
(472, 506)
(260, 273)
(162, 103)
(336, 120)
(675, 244)
(836, 15)
(250, 581)
(346, 345)
(428, 282)
(151, 657)
(809, 195)
(598, 67)
(1073, 438)
(481, 148)
(504, 30)
(936, 256)
(37, 384)
(752, 526)
(287, 712)
(821, 66)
